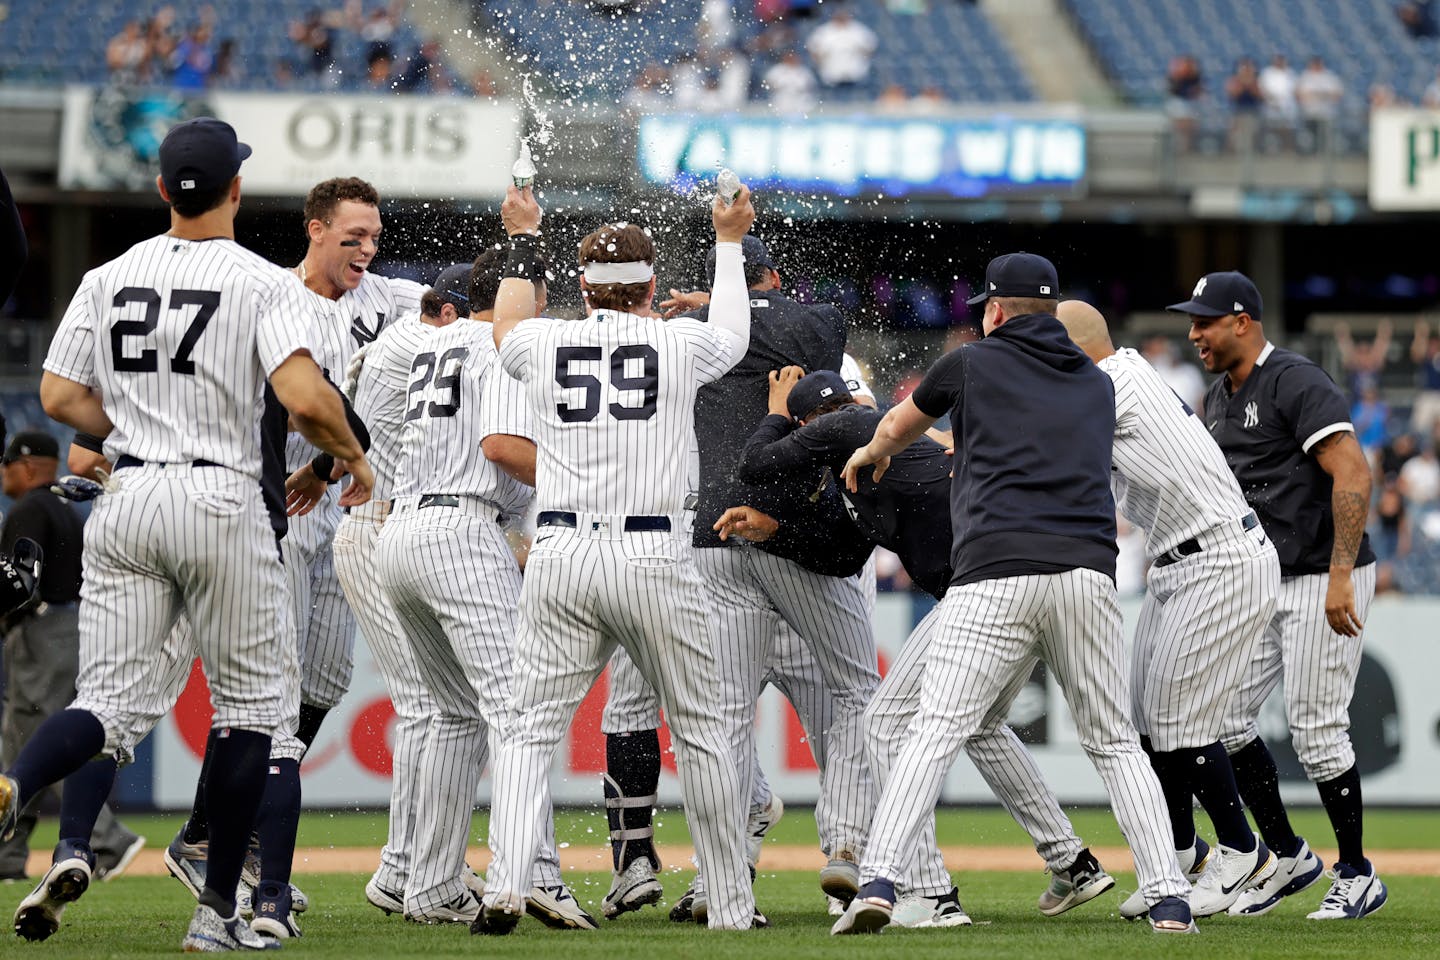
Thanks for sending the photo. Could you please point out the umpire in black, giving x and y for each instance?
(42, 645)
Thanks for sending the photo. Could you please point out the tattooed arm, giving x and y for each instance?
(1340, 456)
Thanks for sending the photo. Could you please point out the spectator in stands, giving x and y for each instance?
(1431, 97)
(1363, 362)
(379, 71)
(928, 99)
(732, 78)
(1419, 479)
(1418, 17)
(1281, 109)
(1394, 455)
(842, 49)
(650, 92)
(1418, 571)
(160, 42)
(1389, 533)
(716, 29)
(791, 85)
(1425, 354)
(1370, 415)
(768, 11)
(1319, 91)
(127, 54)
(425, 70)
(893, 99)
(1181, 377)
(1242, 89)
(316, 42)
(378, 30)
(1185, 88)
(687, 81)
(483, 85)
(193, 59)
(1383, 95)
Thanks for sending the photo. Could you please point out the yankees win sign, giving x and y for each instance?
(406, 146)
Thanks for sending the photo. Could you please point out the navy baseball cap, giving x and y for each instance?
(816, 388)
(453, 287)
(1221, 294)
(200, 155)
(31, 443)
(1019, 275)
(752, 248)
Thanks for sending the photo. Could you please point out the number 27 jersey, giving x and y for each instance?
(613, 400)
(179, 336)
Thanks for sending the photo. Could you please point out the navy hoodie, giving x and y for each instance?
(1034, 420)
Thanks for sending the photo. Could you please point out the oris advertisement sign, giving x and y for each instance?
(428, 147)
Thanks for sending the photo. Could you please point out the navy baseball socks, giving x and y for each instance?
(311, 717)
(64, 743)
(1346, 808)
(632, 763)
(278, 820)
(1259, 783)
(83, 796)
(232, 797)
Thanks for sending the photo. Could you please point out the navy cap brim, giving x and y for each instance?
(978, 298)
(243, 151)
(1197, 309)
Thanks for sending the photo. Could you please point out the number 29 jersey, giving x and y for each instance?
(613, 400)
(179, 336)
(457, 396)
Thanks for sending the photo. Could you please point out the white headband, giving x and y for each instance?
(634, 271)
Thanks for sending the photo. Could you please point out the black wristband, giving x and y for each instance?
(323, 465)
(523, 259)
(88, 441)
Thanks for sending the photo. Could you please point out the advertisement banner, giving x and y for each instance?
(868, 156)
(1395, 725)
(1405, 159)
(411, 146)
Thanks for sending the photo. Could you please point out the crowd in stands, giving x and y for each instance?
(350, 47)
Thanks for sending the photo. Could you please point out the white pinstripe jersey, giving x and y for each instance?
(179, 336)
(380, 394)
(613, 400)
(348, 323)
(1169, 475)
(446, 418)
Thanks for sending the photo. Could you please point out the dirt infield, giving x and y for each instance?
(1424, 863)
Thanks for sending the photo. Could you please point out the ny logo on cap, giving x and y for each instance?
(1199, 288)
(992, 284)
(1239, 307)
(825, 392)
(187, 184)
(1045, 288)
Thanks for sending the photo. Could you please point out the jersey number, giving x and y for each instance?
(646, 384)
(444, 373)
(147, 360)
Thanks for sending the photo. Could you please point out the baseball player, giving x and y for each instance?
(186, 527)
(380, 387)
(1285, 429)
(814, 421)
(1211, 585)
(1033, 554)
(612, 398)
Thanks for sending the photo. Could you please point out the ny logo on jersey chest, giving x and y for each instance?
(364, 334)
(1252, 415)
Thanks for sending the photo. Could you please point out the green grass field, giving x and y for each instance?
(1398, 829)
(145, 916)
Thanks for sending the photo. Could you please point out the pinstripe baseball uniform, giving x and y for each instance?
(453, 583)
(1268, 429)
(1033, 563)
(187, 528)
(325, 623)
(613, 397)
(1202, 615)
(380, 400)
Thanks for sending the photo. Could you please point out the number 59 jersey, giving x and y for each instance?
(456, 397)
(613, 397)
(178, 336)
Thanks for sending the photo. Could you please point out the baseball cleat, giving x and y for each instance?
(557, 908)
(211, 933)
(700, 908)
(463, 909)
(919, 912)
(760, 823)
(1292, 874)
(186, 862)
(1081, 882)
(682, 911)
(38, 916)
(834, 907)
(107, 872)
(840, 878)
(1193, 863)
(500, 916)
(869, 911)
(633, 888)
(1352, 894)
(387, 901)
(1229, 875)
(1172, 915)
(273, 917)
(9, 806)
